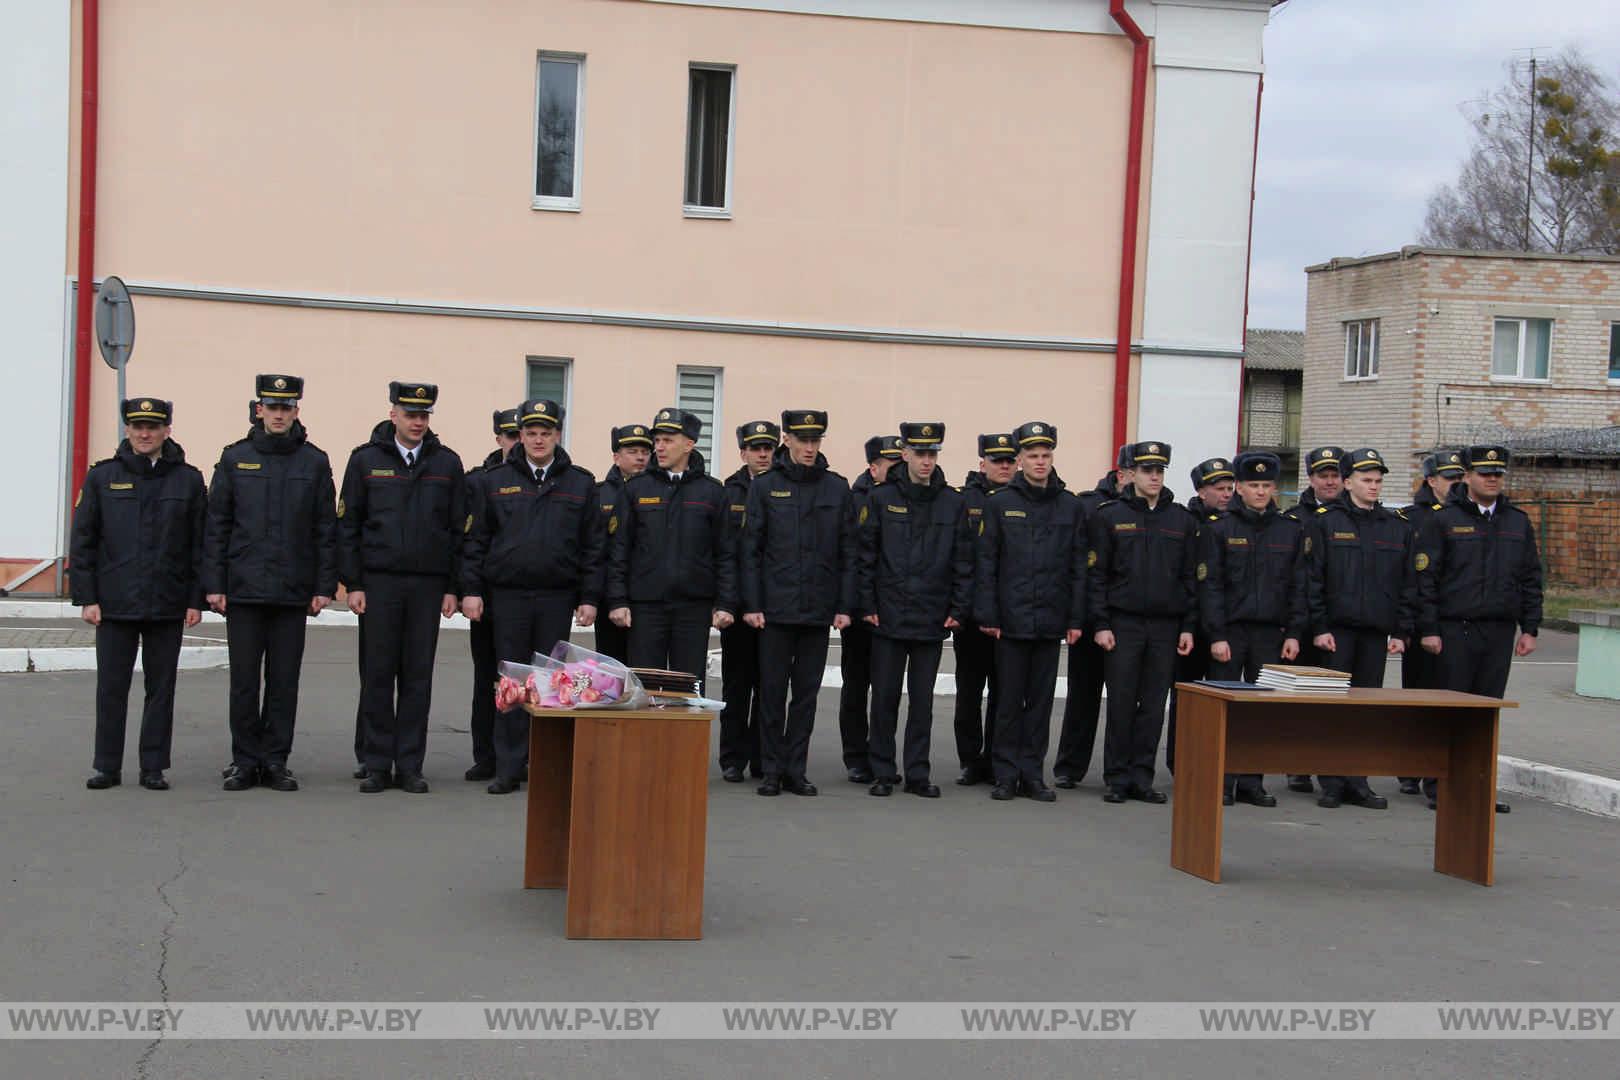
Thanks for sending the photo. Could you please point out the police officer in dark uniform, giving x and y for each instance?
(915, 582)
(532, 544)
(1479, 583)
(1251, 590)
(855, 640)
(481, 634)
(975, 652)
(1143, 604)
(136, 560)
(632, 449)
(1361, 593)
(1029, 595)
(269, 560)
(401, 515)
(1212, 481)
(757, 441)
(672, 573)
(798, 576)
(1325, 484)
(1440, 471)
(1078, 737)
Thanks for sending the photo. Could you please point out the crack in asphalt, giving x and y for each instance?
(145, 1059)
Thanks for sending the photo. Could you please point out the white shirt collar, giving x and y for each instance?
(405, 452)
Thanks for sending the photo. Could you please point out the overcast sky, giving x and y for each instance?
(1361, 119)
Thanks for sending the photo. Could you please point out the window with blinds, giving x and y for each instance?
(549, 378)
(697, 390)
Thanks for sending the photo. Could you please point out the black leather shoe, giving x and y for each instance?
(1038, 791)
(480, 772)
(359, 772)
(922, 788)
(1411, 787)
(1226, 798)
(1433, 805)
(1003, 792)
(1301, 784)
(799, 785)
(1067, 783)
(1261, 797)
(771, 786)
(860, 776)
(1366, 799)
(1149, 795)
(503, 785)
(240, 778)
(1114, 795)
(373, 783)
(1329, 802)
(101, 780)
(731, 774)
(152, 780)
(411, 783)
(968, 777)
(280, 778)
(881, 788)
(1503, 808)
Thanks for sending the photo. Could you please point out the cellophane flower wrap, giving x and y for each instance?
(572, 677)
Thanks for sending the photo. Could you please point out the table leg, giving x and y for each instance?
(551, 765)
(1465, 817)
(1195, 831)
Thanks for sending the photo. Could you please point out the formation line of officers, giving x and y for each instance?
(1012, 565)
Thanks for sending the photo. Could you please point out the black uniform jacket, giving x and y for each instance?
(1030, 561)
(1144, 560)
(670, 540)
(916, 558)
(1473, 567)
(524, 535)
(398, 520)
(272, 521)
(798, 544)
(138, 536)
(1360, 571)
(1251, 568)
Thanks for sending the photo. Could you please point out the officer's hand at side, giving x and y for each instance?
(1325, 641)
(1431, 644)
(1220, 651)
(756, 619)
(585, 614)
(472, 607)
(448, 608)
(1071, 636)
(873, 619)
(216, 600)
(951, 624)
(1104, 639)
(1290, 650)
(840, 622)
(1184, 645)
(318, 604)
(722, 620)
(91, 613)
(357, 601)
(993, 631)
(620, 616)
(1526, 645)
(1397, 646)
(193, 616)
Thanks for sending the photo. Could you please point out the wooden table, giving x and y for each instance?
(618, 816)
(1366, 732)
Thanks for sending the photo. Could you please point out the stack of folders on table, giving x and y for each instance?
(668, 686)
(1304, 680)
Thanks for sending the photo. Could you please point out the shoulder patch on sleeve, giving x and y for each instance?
(1422, 561)
(865, 512)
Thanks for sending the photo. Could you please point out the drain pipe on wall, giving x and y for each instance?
(84, 305)
(1133, 203)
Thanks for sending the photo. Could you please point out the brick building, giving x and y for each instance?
(1423, 347)
(1273, 373)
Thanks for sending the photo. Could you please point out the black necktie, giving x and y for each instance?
(410, 458)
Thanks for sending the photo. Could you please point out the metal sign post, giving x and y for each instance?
(115, 333)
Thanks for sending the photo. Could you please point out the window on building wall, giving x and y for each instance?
(559, 120)
(709, 121)
(549, 377)
(1361, 349)
(1614, 352)
(1522, 349)
(697, 390)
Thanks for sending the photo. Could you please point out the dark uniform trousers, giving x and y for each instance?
(739, 686)
(360, 698)
(975, 667)
(1475, 656)
(790, 657)
(527, 621)
(892, 659)
(1419, 671)
(1078, 737)
(1139, 672)
(267, 639)
(1253, 645)
(1309, 656)
(481, 642)
(855, 665)
(1027, 671)
(672, 635)
(116, 644)
(401, 642)
(1362, 653)
(613, 640)
(1190, 668)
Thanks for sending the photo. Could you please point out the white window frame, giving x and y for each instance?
(566, 363)
(713, 212)
(1614, 332)
(558, 202)
(1521, 377)
(1352, 367)
(717, 422)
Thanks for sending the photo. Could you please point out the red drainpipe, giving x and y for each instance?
(1254, 164)
(90, 83)
(1133, 201)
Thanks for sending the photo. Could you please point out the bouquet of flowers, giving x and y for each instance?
(572, 677)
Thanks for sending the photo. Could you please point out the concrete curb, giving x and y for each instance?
(1586, 792)
(83, 658)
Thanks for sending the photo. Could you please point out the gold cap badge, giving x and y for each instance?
(280, 383)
